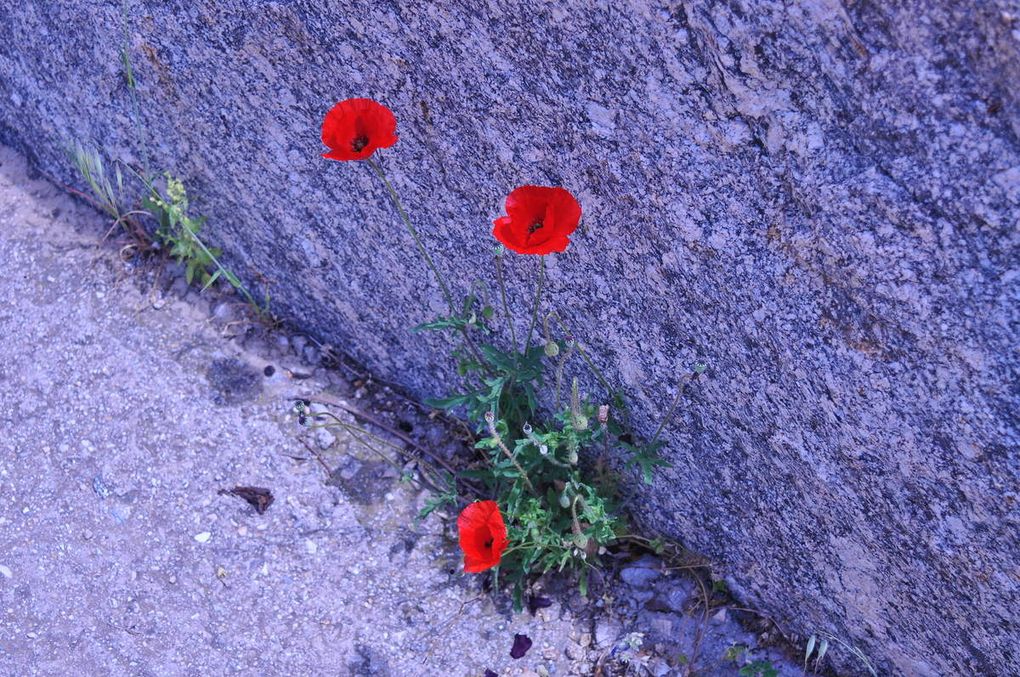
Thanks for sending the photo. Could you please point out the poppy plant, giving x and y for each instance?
(482, 536)
(355, 128)
(539, 220)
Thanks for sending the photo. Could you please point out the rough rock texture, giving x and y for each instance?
(819, 199)
(130, 409)
(118, 554)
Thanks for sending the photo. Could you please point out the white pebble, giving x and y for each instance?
(203, 537)
(311, 547)
(6, 572)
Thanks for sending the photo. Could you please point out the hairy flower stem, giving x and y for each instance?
(538, 301)
(358, 432)
(395, 199)
(672, 408)
(575, 525)
(490, 420)
(502, 293)
(564, 356)
(582, 352)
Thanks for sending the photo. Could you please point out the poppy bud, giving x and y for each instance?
(530, 432)
(577, 419)
(564, 501)
(552, 349)
(572, 458)
(581, 541)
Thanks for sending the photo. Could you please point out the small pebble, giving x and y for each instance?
(324, 439)
(311, 547)
(6, 572)
(120, 513)
(203, 537)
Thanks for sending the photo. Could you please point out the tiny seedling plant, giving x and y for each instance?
(177, 230)
(555, 511)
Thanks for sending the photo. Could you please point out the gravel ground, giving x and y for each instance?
(127, 410)
(124, 415)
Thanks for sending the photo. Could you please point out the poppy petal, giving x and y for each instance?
(353, 129)
(482, 536)
(539, 220)
(521, 645)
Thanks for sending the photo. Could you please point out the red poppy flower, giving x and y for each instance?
(538, 221)
(482, 536)
(355, 128)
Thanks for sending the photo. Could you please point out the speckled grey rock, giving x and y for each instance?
(819, 199)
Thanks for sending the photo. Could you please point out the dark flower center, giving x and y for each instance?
(535, 226)
(488, 544)
(359, 143)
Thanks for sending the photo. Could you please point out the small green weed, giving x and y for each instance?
(818, 645)
(179, 231)
(759, 668)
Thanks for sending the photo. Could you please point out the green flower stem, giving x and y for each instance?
(502, 293)
(583, 353)
(538, 300)
(672, 408)
(560, 364)
(490, 420)
(395, 199)
(575, 525)
(358, 432)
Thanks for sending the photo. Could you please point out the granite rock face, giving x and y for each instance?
(818, 199)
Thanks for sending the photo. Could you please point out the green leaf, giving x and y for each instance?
(441, 323)
(211, 279)
(499, 359)
(448, 402)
